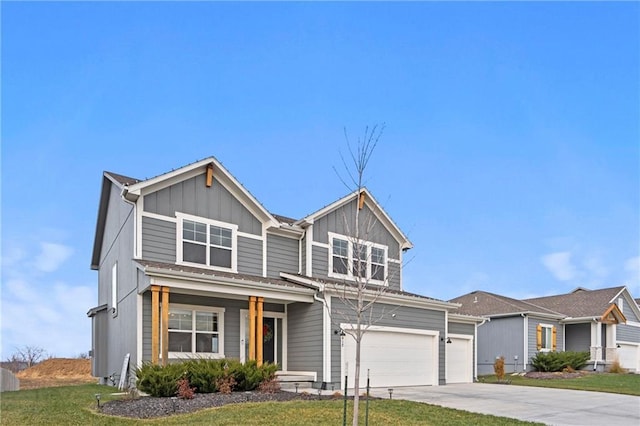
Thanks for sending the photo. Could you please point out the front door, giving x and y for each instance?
(272, 337)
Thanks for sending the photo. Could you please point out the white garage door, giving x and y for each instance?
(394, 357)
(629, 356)
(460, 359)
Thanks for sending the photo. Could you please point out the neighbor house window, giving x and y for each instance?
(352, 259)
(208, 243)
(196, 330)
(546, 337)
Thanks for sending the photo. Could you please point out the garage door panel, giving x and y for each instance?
(629, 356)
(393, 358)
(459, 360)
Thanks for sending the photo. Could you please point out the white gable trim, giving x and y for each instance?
(375, 207)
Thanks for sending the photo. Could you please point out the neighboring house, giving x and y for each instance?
(190, 264)
(605, 323)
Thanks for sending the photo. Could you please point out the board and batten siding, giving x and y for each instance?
(405, 317)
(192, 197)
(158, 240)
(282, 255)
(577, 337)
(304, 340)
(501, 337)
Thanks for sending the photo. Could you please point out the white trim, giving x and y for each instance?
(322, 245)
(114, 289)
(160, 216)
(525, 353)
(264, 250)
(309, 249)
(632, 324)
(435, 333)
(542, 342)
(181, 217)
(199, 308)
(391, 260)
(138, 228)
(265, 314)
(350, 259)
(248, 235)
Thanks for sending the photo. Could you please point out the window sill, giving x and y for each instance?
(195, 355)
(211, 268)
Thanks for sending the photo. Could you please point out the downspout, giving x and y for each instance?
(525, 352)
(475, 348)
(326, 344)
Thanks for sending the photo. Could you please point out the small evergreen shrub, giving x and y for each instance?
(203, 375)
(498, 368)
(558, 361)
(185, 391)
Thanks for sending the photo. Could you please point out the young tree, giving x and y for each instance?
(30, 354)
(359, 296)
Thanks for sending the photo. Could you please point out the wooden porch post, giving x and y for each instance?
(252, 328)
(259, 337)
(155, 307)
(165, 325)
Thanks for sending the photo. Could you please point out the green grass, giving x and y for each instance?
(75, 405)
(628, 384)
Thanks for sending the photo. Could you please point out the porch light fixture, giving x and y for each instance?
(448, 339)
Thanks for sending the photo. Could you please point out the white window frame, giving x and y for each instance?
(542, 341)
(193, 353)
(181, 217)
(114, 290)
(368, 244)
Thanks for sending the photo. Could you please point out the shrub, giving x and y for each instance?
(226, 384)
(616, 367)
(185, 391)
(203, 375)
(498, 368)
(157, 380)
(558, 361)
(271, 385)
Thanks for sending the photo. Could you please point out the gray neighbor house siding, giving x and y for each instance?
(507, 334)
(533, 323)
(304, 344)
(577, 337)
(282, 255)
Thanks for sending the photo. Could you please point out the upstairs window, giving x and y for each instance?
(351, 259)
(208, 243)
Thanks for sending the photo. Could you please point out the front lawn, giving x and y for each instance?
(75, 405)
(628, 384)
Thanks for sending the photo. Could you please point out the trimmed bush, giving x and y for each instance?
(202, 374)
(558, 361)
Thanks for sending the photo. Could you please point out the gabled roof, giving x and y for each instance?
(132, 192)
(483, 303)
(375, 207)
(581, 302)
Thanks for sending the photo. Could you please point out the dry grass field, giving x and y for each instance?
(56, 372)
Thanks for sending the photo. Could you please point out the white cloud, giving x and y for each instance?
(560, 265)
(51, 256)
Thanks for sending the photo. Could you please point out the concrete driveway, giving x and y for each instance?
(544, 405)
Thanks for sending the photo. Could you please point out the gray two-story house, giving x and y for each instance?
(190, 264)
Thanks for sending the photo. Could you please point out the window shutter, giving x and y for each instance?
(539, 337)
(553, 338)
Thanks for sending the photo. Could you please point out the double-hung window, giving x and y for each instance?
(203, 242)
(195, 330)
(546, 338)
(353, 259)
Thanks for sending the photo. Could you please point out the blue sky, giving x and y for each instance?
(510, 156)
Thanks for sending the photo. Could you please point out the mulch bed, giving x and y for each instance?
(555, 375)
(150, 407)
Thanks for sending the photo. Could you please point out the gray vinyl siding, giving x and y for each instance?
(320, 262)
(501, 337)
(303, 257)
(460, 328)
(193, 197)
(394, 275)
(532, 332)
(304, 344)
(249, 256)
(405, 317)
(99, 325)
(334, 221)
(146, 326)
(119, 332)
(282, 255)
(158, 240)
(577, 337)
(628, 333)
